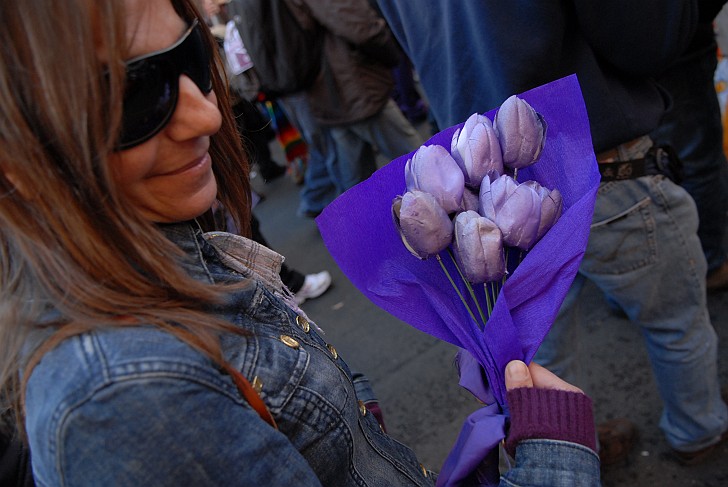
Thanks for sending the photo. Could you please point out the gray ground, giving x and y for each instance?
(413, 376)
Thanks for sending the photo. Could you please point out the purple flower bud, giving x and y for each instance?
(551, 207)
(521, 132)
(433, 170)
(424, 226)
(517, 209)
(470, 200)
(476, 149)
(478, 248)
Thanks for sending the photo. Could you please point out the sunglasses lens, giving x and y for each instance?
(152, 84)
(196, 63)
(149, 100)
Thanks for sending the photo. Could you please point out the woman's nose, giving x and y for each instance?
(196, 113)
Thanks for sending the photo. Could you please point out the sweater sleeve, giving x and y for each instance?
(550, 414)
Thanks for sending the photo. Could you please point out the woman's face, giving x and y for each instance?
(169, 177)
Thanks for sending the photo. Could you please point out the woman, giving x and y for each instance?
(139, 350)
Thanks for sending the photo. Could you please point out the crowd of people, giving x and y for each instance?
(149, 334)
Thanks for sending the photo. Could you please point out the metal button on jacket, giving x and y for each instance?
(303, 323)
(290, 341)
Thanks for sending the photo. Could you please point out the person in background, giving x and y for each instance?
(693, 127)
(255, 130)
(352, 95)
(138, 349)
(319, 186)
(303, 286)
(643, 252)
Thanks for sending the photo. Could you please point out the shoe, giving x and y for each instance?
(690, 458)
(616, 439)
(696, 457)
(314, 285)
(271, 171)
(717, 280)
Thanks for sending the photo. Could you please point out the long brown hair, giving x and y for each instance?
(68, 241)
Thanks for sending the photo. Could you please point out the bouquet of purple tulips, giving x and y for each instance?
(468, 202)
(495, 257)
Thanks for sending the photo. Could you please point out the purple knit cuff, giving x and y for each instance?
(550, 414)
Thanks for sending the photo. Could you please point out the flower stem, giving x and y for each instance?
(460, 295)
(470, 288)
(507, 252)
(487, 288)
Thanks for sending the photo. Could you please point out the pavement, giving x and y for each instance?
(413, 374)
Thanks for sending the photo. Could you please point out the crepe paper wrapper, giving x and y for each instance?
(358, 230)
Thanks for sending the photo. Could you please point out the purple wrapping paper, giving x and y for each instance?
(358, 231)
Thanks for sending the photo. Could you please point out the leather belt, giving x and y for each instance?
(662, 160)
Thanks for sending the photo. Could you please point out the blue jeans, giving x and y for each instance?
(693, 127)
(644, 255)
(388, 131)
(318, 184)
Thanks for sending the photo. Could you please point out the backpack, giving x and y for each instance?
(287, 56)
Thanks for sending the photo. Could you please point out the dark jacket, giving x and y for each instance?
(472, 55)
(359, 52)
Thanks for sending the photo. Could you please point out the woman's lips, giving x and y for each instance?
(196, 164)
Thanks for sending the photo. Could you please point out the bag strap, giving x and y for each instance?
(250, 394)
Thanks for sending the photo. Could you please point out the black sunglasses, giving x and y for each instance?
(152, 85)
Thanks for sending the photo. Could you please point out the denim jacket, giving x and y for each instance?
(136, 406)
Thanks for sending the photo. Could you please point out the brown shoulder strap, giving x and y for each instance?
(250, 395)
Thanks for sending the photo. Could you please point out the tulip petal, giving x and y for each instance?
(454, 152)
(551, 208)
(476, 149)
(423, 225)
(521, 132)
(484, 153)
(478, 247)
(432, 169)
(485, 199)
(501, 188)
(519, 216)
(471, 201)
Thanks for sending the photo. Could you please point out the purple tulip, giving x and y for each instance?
(433, 170)
(521, 132)
(424, 226)
(551, 207)
(476, 149)
(478, 248)
(516, 207)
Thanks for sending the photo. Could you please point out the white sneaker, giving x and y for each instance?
(313, 286)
